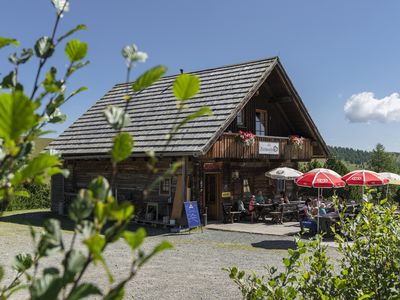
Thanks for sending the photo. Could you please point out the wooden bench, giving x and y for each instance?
(287, 210)
(228, 214)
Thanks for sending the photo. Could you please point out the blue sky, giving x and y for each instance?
(331, 50)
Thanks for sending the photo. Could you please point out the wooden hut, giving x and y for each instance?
(255, 96)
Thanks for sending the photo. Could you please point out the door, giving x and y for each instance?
(211, 196)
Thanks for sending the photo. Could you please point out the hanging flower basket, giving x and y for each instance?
(297, 141)
(246, 138)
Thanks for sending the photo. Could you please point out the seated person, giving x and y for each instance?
(322, 209)
(260, 198)
(309, 221)
(240, 206)
(284, 198)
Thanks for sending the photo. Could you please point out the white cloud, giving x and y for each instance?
(365, 107)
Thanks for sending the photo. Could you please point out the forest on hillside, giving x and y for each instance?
(356, 156)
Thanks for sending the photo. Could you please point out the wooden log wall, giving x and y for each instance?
(132, 179)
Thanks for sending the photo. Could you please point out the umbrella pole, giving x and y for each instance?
(387, 192)
(318, 211)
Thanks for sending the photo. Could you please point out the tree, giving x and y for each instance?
(336, 165)
(99, 218)
(381, 161)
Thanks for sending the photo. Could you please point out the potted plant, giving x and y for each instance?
(246, 138)
(297, 141)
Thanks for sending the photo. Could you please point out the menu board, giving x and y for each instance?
(192, 214)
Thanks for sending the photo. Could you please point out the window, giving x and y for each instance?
(261, 122)
(240, 118)
(165, 186)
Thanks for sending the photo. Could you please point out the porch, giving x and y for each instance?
(264, 147)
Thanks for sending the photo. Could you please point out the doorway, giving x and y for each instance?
(211, 195)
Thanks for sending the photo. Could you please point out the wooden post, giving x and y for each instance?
(184, 181)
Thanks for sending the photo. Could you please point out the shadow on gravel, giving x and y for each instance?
(37, 219)
(275, 244)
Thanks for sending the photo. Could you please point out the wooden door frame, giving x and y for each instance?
(218, 191)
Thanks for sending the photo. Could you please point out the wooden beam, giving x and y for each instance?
(275, 101)
(285, 117)
(286, 99)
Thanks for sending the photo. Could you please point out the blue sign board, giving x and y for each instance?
(192, 214)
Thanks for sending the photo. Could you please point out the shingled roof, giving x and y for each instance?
(153, 113)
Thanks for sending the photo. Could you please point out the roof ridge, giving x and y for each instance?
(273, 58)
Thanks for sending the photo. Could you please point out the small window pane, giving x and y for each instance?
(240, 118)
(165, 187)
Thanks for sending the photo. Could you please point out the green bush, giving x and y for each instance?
(39, 197)
(368, 266)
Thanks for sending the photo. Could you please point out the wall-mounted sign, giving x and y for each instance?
(268, 148)
(213, 166)
(226, 194)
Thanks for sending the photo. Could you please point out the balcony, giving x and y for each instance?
(265, 147)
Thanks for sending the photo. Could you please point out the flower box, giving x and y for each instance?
(297, 141)
(246, 138)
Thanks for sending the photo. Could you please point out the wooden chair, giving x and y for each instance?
(228, 214)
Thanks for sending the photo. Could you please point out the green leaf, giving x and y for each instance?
(122, 147)
(22, 262)
(44, 47)
(134, 239)
(122, 212)
(76, 66)
(81, 89)
(57, 117)
(100, 188)
(43, 164)
(96, 244)
(164, 245)
(186, 86)
(26, 54)
(50, 83)
(82, 206)
(76, 50)
(148, 78)
(83, 290)
(72, 31)
(9, 81)
(6, 41)
(116, 117)
(74, 263)
(51, 240)
(17, 115)
(1, 273)
(47, 287)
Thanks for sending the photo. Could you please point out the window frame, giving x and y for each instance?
(161, 190)
(240, 118)
(263, 113)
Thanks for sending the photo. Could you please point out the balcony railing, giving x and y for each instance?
(265, 147)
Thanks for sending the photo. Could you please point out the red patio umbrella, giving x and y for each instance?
(320, 179)
(364, 177)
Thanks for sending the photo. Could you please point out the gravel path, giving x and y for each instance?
(192, 270)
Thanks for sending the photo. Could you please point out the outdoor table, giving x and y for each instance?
(262, 209)
(327, 220)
